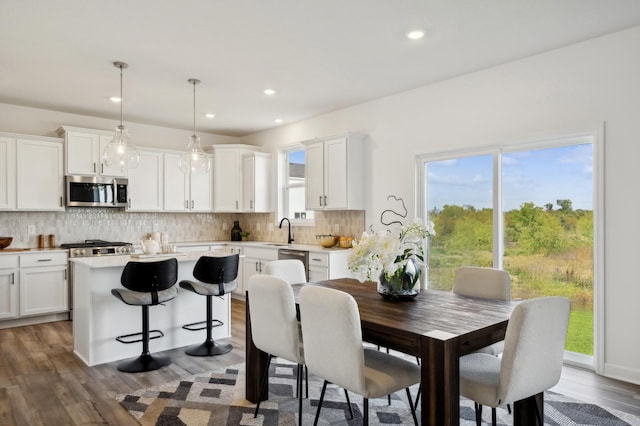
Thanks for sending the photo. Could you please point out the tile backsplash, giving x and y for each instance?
(79, 224)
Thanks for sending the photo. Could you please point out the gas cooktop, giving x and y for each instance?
(98, 248)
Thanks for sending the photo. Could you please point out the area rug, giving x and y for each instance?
(217, 398)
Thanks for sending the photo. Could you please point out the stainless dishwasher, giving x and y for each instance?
(301, 255)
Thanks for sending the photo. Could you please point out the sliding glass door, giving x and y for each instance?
(528, 210)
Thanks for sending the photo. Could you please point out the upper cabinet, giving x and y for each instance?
(256, 182)
(40, 174)
(183, 192)
(84, 148)
(7, 173)
(228, 177)
(145, 189)
(335, 173)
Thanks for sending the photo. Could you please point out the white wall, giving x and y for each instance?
(572, 89)
(42, 122)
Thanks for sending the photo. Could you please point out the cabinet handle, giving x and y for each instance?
(101, 168)
(236, 204)
(186, 204)
(94, 167)
(61, 205)
(320, 200)
(13, 278)
(316, 260)
(129, 203)
(251, 204)
(65, 274)
(325, 201)
(257, 270)
(45, 260)
(192, 204)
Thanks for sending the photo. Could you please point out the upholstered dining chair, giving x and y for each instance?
(484, 283)
(334, 351)
(531, 362)
(274, 326)
(290, 270)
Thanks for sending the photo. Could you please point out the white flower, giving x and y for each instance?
(389, 251)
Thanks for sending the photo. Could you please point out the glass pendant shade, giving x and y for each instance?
(194, 160)
(120, 152)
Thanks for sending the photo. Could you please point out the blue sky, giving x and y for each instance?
(541, 176)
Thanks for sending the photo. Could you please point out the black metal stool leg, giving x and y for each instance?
(145, 362)
(208, 347)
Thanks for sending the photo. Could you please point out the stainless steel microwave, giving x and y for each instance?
(96, 191)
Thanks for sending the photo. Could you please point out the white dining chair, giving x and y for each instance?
(290, 270)
(484, 283)
(531, 362)
(334, 351)
(274, 326)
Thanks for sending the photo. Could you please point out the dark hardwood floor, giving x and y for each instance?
(43, 383)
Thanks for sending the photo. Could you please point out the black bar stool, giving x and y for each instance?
(146, 284)
(216, 276)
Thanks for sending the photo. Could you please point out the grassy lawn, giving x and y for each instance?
(580, 333)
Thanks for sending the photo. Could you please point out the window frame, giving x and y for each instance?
(596, 138)
(284, 186)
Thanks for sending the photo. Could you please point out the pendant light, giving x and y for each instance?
(119, 152)
(194, 160)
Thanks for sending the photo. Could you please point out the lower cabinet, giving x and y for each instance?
(8, 287)
(254, 261)
(43, 284)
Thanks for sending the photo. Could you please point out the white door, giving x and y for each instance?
(176, 185)
(40, 175)
(314, 176)
(43, 290)
(248, 183)
(145, 188)
(82, 150)
(335, 173)
(226, 181)
(103, 169)
(7, 173)
(201, 192)
(8, 293)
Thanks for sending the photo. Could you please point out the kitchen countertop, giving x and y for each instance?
(120, 261)
(10, 250)
(266, 244)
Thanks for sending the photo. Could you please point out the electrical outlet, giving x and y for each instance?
(155, 227)
(31, 229)
(336, 229)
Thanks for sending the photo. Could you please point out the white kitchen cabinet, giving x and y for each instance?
(40, 173)
(9, 284)
(44, 288)
(146, 183)
(7, 173)
(254, 261)
(183, 192)
(334, 175)
(256, 182)
(83, 152)
(329, 265)
(228, 176)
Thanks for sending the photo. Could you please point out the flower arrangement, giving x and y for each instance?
(399, 256)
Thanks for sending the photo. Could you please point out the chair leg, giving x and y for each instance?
(493, 416)
(413, 408)
(418, 395)
(265, 377)
(300, 378)
(478, 409)
(324, 388)
(365, 412)
(145, 362)
(306, 379)
(346, 394)
(208, 347)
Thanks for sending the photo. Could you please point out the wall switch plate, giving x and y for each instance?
(336, 229)
(31, 229)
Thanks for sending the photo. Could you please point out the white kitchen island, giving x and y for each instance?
(99, 317)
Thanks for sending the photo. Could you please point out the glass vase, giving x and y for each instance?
(403, 285)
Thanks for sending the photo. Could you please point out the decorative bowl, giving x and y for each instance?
(327, 241)
(346, 242)
(5, 242)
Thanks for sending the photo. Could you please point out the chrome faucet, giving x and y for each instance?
(289, 239)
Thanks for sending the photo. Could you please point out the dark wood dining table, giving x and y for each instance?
(437, 326)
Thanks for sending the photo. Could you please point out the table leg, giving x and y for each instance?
(257, 362)
(529, 411)
(440, 402)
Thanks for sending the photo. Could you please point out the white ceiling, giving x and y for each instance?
(319, 56)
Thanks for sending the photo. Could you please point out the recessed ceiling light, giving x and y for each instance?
(209, 115)
(269, 92)
(415, 35)
(115, 99)
(278, 120)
